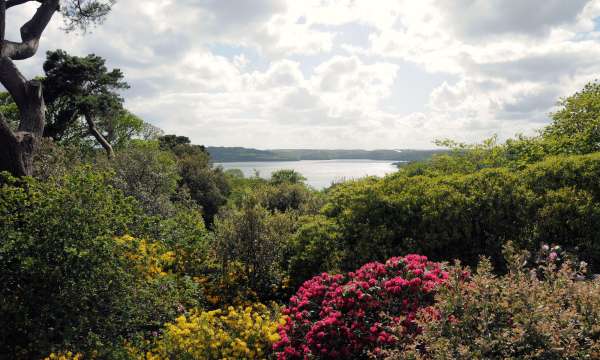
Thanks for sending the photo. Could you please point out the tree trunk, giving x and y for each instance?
(17, 147)
(89, 118)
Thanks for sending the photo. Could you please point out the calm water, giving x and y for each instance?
(319, 173)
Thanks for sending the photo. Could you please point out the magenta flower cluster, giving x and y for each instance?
(352, 315)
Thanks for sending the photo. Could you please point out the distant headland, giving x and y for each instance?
(239, 154)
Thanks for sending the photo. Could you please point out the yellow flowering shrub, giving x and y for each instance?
(151, 258)
(234, 333)
(67, 355)
(231, 288)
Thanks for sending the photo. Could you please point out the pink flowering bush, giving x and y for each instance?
(352, 315)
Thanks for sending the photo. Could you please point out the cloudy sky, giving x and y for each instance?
(341, 73)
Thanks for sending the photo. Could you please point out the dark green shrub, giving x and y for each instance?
(463, 216)
(66, 282)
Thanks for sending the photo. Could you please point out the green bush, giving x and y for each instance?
(463, 216)
(251, 243)
(66, 282)
(315, 248)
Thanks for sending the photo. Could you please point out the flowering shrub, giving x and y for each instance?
(235, 333)
(150, 258)
(342, 316)
(548, 312)
(68, 355)
(227, 289)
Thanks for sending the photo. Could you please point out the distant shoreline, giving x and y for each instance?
(240, 154)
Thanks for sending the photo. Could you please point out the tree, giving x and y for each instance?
(575, 128)
(207, 186)
(168, 142)
(287, 176)
(77, 87)
(17, 146)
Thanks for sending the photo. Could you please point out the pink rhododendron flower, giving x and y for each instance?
(343, 316)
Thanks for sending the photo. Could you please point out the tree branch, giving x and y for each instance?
(11, 3)
(31, 32)
(94, 131)
(2, 22)
(13, 81)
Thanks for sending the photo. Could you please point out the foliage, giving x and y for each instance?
(287, 196)
(257, 241)
(207, 186)
(315, 248)
(288, 176)
(82, 86)
(52, 160)
(575, 128)
(9, 109)
(68, 355)
(463, 216)
(147, 174)
(516, 316)
(67, 282)
(82, 14)
(234, 333)
(343, 316)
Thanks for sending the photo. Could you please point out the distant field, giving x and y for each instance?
(238, 154)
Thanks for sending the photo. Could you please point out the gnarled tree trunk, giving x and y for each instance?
(17, 146)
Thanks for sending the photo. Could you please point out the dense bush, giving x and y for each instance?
(234, 333)
(343, 316)
(206, 185)
(250, 245)
(463, 216)
(314, 249)
(67, 284)
(148, 174)
(536, 312)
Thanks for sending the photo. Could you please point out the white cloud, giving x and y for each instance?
(316, 73)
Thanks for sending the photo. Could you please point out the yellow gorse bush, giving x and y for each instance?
(230, 288)
(68, 355)
(151, 259)
(234, 333)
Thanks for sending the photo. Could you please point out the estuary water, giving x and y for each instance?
(318, 173)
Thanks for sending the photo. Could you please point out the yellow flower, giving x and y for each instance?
(234, 333)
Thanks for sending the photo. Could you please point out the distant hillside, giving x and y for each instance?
(235, 154)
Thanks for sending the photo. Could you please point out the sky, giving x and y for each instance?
(346, 74)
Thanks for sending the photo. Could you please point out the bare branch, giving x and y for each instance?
(11, 3)
(94, 131)
(19, 50)
(31, 32)
(34, 28)
(13, 81)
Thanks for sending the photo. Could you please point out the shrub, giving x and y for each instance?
(65, 355)
(464, 216)
(235, 333)
(67, 284)
(252, 242)
(342, 316)
(530, 313)
(315, 248)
